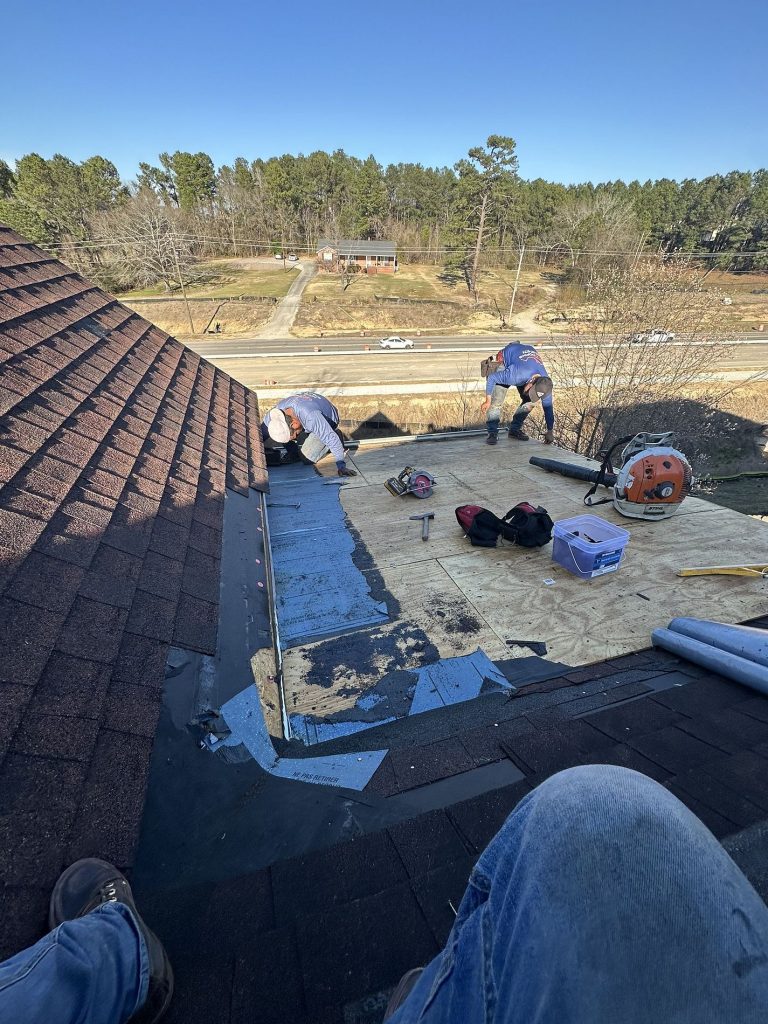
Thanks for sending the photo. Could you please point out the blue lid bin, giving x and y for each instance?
(588, 546)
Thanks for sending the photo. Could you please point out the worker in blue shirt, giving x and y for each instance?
(524, 370)
(313, 420)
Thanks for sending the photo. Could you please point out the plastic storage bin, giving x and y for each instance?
(588, 546)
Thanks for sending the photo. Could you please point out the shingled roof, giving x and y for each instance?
(118, 444)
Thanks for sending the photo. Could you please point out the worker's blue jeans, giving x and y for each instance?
(93, 970)
(602, 900)
(313, 448)
(498, 397)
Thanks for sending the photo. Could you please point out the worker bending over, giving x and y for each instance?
(524, 370)
(311, 420)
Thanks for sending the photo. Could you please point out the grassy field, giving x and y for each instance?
(749, 297)
(224, 278)
(432, 300)
(422, 281)
(566, 308)
(236, 318)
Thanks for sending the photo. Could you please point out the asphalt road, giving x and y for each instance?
(342, 366)
(269, 346)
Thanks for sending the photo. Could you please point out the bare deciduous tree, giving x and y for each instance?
(146, 244)
(608, 373)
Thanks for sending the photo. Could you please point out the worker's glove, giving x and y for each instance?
(549, 437)
(347, 472)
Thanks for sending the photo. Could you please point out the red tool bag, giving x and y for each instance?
(525, 524)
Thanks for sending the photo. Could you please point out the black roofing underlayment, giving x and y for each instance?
(278, 901)
(323, 936)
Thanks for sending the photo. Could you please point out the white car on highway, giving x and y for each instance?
(653, 336)
(395, 341)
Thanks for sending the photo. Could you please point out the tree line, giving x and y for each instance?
(477, 213)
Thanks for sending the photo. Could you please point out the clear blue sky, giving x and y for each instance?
(590, 90)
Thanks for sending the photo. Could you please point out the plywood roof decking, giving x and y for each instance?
(503, 590)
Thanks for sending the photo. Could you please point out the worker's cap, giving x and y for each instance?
(540, 388)
(277, 426)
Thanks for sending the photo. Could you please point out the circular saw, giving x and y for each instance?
(411, 481)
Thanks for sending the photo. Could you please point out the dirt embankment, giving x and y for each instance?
(240, 317)
(319, 316)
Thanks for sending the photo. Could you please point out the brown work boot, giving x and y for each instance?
(90, 883)
(516, 434)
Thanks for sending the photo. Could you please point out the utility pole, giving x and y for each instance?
(517, 281)
(181, 282)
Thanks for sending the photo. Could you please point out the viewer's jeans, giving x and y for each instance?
(498, 397)
(602, 900)
(93, 970)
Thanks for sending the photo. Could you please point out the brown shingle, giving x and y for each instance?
(19, 532)
(152, 616)
(107, 824)
(196, 624)
(117, 446)
(93, 630)
(46, 582)
(72, 685)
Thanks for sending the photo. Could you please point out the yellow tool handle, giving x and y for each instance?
(726, 570)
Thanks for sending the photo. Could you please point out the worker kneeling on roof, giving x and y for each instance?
(524, 370)
(308, 423)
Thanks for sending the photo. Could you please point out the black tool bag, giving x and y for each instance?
(526, 525)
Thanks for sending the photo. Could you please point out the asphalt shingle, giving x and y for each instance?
(105, 421)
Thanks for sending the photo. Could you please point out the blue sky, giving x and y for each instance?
(590, 90)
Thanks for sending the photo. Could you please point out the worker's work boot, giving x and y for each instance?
(517, 434)
(90, 883)
(492, 439)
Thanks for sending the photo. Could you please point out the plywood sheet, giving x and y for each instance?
(441, 585)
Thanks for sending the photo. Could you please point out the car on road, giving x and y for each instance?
(652, 336)
(395, 341)
(292, 257)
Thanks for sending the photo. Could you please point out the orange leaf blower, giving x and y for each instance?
(652, 482)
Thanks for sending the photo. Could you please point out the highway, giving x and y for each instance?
(342, 366)
(487, 343)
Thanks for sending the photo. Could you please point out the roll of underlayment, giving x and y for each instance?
(728, 664)
(743, 641)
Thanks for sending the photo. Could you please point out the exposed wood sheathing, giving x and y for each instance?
(462, 597)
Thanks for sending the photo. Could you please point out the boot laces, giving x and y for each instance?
(109, 893)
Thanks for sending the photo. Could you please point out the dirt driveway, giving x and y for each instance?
(280, 323)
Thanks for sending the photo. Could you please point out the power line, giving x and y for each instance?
(267, 244)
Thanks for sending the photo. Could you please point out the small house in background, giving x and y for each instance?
(368, 257)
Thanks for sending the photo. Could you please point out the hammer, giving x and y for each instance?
(424, 523)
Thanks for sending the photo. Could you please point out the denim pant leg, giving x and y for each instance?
(601, 900)
(498, 397)
(521, 414)
(313, 449)
(92, 970)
